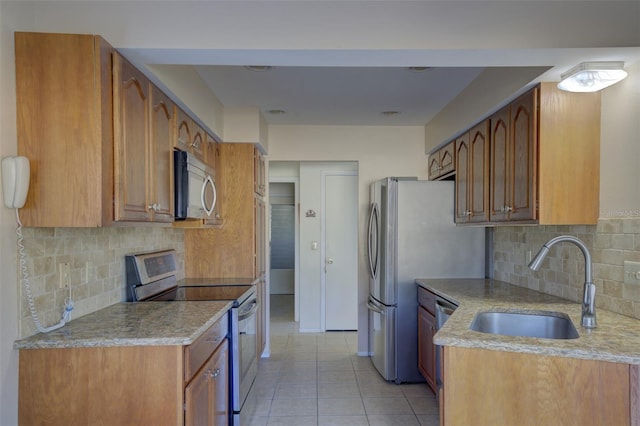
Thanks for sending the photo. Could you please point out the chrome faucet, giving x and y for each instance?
(589, 297)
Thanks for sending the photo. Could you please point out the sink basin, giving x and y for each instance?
(545, 325)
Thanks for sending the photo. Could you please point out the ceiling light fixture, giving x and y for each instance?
(592, 76)
(276, 111)
(257, 68)
(419, 69)
(390, 113)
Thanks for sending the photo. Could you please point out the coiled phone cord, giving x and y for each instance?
(68, 302)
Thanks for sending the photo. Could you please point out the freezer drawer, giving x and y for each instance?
(382, 321)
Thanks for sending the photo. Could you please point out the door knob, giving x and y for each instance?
(330, 261)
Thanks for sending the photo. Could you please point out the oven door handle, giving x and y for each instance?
(250, 312)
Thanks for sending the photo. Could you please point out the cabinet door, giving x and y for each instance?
(161, 156)
(131, 124)
(198, 142)
(426, 348)
(207, 395)
(447, 159)
(259, 238)
(523, 153)
(220, 384)
(499, 189)
(258, 173)
(184, 131)
(479, 172)
(462, 179)
(434, 165)
(197, 397)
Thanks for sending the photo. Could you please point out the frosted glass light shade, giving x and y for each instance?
(592, 76)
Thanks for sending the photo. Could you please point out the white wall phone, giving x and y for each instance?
(15, 181)
(15, 185)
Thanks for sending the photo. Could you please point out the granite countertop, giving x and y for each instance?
(134, 324)
(616, 339)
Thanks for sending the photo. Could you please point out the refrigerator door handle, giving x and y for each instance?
(374, 308)
(373, 243)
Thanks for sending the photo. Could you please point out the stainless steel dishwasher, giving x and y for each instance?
(444, 309)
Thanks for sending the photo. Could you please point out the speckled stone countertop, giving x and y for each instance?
(134, 324)
(616, 339)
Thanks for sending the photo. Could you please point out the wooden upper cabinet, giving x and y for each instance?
(442, 162)
(98, 137)
(499, 190)
(259, 178)
(161, 183)
(568, 156)
(190, 137)
(479, 172)
(143, 139)
(544, 166)
(522, 180)
(131, 138)
(65, 128)
(545, 156)
(472, 179)
(462, 179)
(184, 131)
(198, 142)
(513, 160)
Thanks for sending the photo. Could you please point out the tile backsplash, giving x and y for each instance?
(96, 258)
(610, 242)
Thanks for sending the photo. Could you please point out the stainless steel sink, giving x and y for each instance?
(545, 325)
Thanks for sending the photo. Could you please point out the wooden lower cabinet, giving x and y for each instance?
(426, 348)
(207, 395)
(128, 385)
(483, 387)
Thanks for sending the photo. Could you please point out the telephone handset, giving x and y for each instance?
(15, 181)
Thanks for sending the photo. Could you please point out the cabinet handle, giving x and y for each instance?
(467, 213)
(214, 374)
(213, 339)
(508, 209)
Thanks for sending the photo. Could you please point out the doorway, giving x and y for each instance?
(283, 249)
(311, 290)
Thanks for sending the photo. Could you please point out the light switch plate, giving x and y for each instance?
(631, 272)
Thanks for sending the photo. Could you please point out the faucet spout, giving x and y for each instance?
(589, 296)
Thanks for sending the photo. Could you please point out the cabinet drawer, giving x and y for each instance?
(199, 351)
(427, 300)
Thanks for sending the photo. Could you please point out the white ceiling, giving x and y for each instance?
(339, 95)
(344, 62)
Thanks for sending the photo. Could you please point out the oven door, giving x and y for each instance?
(245, 352)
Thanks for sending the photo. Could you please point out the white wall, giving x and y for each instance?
(379, 151)
(195, 96)
(10, 19)
(620, 148)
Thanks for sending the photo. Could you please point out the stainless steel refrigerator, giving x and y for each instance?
(412, 235)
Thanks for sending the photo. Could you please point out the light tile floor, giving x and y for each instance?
(318, 379)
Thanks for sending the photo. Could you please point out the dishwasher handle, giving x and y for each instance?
(444, 310)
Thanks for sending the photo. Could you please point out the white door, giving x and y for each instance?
(341, 252)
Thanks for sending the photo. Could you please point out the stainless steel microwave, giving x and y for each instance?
(195, 188)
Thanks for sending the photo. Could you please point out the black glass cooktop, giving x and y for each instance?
(237, 293)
